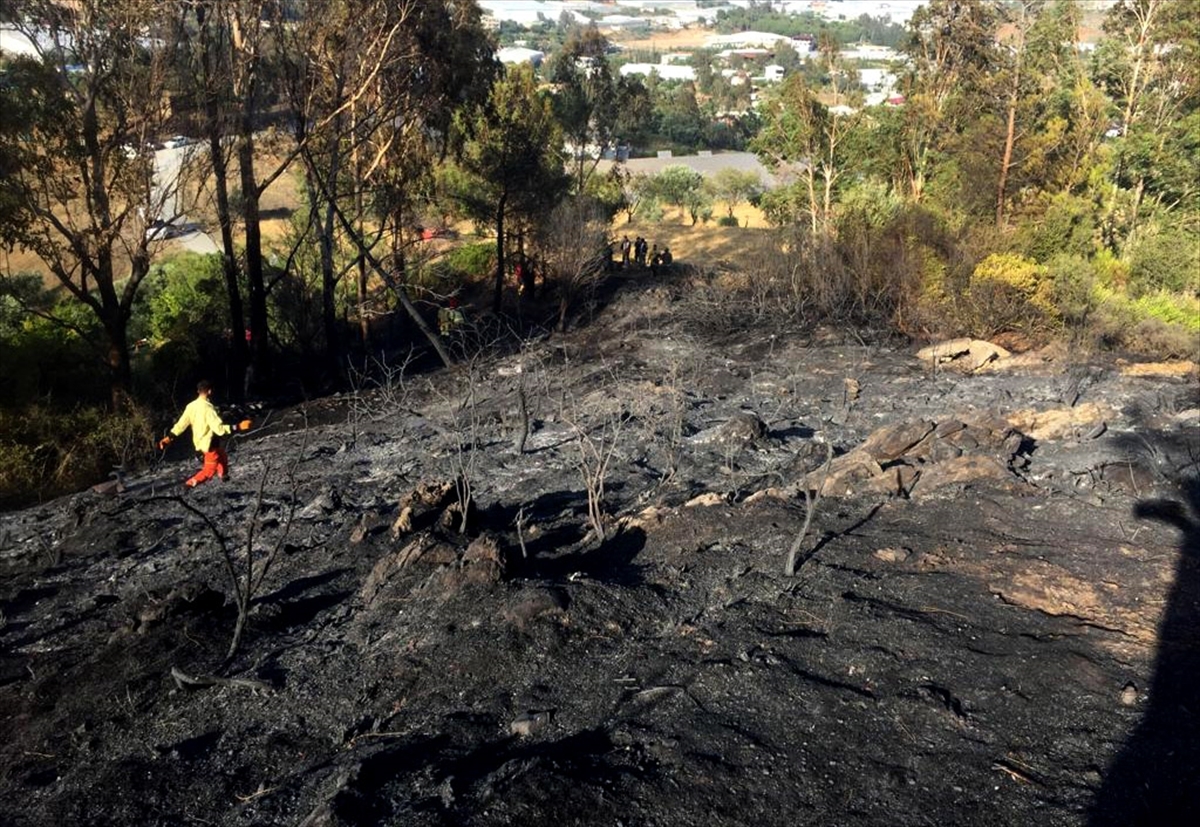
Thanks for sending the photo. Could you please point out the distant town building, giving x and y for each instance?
(898, 11)
(746, 40)
(869, 51)
(517, 54)
(13, 42)
(531, 12)
(623, 22)
(707, 164)
(666, 71)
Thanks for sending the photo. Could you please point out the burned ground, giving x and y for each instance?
(993, 618)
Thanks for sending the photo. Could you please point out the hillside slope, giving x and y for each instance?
(993, 619)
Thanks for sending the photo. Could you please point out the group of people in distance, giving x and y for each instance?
(639, 252)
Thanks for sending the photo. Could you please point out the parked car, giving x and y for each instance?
(178, 141)
(159, 230)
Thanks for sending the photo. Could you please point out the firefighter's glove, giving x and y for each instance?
(244, 425)
(164, 442)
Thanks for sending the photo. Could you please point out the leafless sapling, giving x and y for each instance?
(596, 446)
(247, 569)
(810, 506)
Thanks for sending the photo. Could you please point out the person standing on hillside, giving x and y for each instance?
(207, 429)
(625, 246)
(450, 317)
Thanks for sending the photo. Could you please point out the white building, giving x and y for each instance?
(13, 42)
(676, 6)
(666, 71)
(746, 40)
(516, 54)
(623, 22)
(898, 11)
(531, 12)
(749, 53)
(869, 51)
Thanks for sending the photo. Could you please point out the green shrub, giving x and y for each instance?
(1066, 227)
(1162, 325)
(1111, 272)
(1172, 309)
(471, 260)
(1073, 282)
(184, 297)
(870, 202)
(649, 210)
(1165, 261)
(47, 453)
(1010, 292)
(728, 221)
(43, 358)
(782, 205)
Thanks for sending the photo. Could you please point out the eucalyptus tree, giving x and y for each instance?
(364, 90)
(80, 189)
(805, 141)
(1147, 63)
(1031, 97)
(950, 49)
(585, 98)
(512, 158)
(384, 79)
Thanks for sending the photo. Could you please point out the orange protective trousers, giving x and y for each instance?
(216, 463)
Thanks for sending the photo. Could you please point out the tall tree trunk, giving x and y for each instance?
(1010, 133)
(259, 346)
(388, 278)
(120, 368)
(1006, 161)
(810, 179)
(238, 351)
(364, 326)
(499, 287)
(328, 276)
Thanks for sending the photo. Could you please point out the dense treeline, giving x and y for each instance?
(762, 18)
(1026, 185)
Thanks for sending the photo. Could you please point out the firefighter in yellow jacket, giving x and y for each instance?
(207, 429)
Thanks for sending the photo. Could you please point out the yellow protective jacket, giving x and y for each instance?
(205, 422)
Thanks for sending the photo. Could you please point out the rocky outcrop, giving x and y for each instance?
(917, 458)
(966, 355)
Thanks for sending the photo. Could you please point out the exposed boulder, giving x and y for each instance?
(1057, 423)
(741, 429)
(960, 471)
(918, 456)
(966, 355)
(893, 441)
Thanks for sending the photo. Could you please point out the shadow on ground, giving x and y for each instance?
(1155, 780)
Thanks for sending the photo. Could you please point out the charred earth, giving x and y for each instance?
(549, 588)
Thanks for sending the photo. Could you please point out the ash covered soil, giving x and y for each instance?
(993, 617)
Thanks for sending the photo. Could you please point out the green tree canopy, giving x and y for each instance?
(513, 157)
